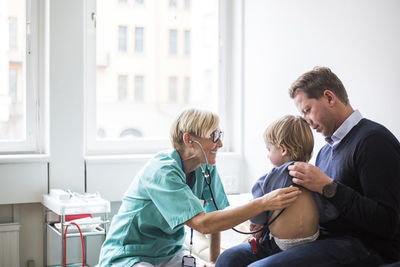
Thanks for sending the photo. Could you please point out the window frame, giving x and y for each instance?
(227, 94)
(33, 82)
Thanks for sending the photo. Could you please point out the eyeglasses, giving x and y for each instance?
(217, 135)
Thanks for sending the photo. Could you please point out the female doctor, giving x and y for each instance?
(171, 191)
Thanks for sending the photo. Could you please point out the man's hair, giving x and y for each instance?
(197, 122)
(293, 132)
(313, 83)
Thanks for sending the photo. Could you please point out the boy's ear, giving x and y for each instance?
(284, 150)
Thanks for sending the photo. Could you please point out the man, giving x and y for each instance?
(357, 171)
(358, 176)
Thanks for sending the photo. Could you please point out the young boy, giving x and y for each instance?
(288, 139)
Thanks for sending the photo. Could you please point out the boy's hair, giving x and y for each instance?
(316, 81)
(200, 123)
(294, 133)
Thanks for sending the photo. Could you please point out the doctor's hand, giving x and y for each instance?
(281, 198)
(309, 176)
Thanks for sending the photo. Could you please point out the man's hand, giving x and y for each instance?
(309, 176)
(255, 227)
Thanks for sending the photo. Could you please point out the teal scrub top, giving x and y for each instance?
(149, 226)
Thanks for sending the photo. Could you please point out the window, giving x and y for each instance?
(139, 88)
(186, 94)
(172, 3)
(122, 38)
(139, 39)
(19, 78)
(13, 86)
(187, 43)
(122, 87)
(173, 90)
(139, 2)
(162, 82)
(173, 45)
(12, 41)
(187, 4)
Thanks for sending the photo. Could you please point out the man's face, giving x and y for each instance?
(317, 112)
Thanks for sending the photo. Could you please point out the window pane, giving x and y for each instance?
(12, 71)
(157, 85)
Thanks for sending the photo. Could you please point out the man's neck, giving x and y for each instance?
(345, 112)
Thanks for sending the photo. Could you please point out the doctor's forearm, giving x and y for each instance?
(221, 220)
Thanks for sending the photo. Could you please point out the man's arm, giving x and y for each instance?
(376, 208)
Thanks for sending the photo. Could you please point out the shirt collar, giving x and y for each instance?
(344, 129)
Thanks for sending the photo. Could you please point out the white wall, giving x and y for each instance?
(358, 39)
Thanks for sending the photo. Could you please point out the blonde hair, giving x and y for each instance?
(200, 123)
(294, 133)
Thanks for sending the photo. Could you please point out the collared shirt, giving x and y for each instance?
(344, 129)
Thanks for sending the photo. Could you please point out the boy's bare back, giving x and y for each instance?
(300, 220)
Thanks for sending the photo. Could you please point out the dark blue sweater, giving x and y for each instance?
(366, 165)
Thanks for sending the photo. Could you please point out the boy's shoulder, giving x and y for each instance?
(278, 177)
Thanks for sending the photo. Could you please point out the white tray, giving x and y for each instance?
(76, 205)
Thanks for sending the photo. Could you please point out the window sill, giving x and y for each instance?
(17, 158)
(141, 157)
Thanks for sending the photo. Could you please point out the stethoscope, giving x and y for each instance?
(207, 178)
